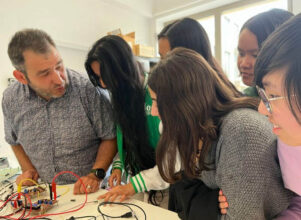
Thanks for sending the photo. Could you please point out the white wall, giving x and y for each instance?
(296, 6)
(73, 24)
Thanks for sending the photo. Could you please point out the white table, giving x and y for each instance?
(70, 201)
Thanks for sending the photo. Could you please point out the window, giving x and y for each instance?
(223, 24)
(208, 25)
(231, 23)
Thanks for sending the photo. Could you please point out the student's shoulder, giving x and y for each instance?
(247, 134)
(245, 117)
(248, 123)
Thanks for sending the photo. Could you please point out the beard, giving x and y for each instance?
(49, 93)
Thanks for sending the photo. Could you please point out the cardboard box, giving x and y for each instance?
(143, 51)
(130, 37)
(114, 32)
(138, 49)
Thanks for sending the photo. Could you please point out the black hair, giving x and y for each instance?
(190, 34)
(263, 24)
(282, 50)
(120, 73)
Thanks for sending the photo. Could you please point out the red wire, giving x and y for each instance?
(24, 210)
(30, 208)
(61, 213)
(28, 199)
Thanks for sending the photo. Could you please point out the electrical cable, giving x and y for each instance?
(54, 184)
(18, 195)
(28, 200)
(126, 215)
(64, 193)
(80, 217)
(34, 182)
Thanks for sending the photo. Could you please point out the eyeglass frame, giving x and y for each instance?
(267, 101)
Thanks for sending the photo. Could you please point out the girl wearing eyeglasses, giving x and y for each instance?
(278, 79)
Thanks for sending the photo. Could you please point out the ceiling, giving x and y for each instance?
(156, 8)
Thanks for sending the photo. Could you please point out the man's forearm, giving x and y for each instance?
(106, 152)
(22, 158)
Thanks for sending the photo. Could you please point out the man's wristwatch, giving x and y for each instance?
(99, 173)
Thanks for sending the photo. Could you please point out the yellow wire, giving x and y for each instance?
(64, 193)
(20, 184)
(34, 182)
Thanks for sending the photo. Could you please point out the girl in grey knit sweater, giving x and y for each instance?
(203, 119)
(279, 84)
(278, 80)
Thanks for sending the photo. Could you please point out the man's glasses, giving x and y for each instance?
(267, 101)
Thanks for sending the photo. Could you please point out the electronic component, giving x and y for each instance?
(35, 191)
(38, 208)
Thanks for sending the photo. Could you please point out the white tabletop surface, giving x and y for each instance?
(69, 202)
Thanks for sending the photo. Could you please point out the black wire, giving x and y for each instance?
(122, 204)
(73, 218)
(109, 216)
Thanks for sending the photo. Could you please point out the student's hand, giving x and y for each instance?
(122, 191)
(223, 204)
(115, 178)
(91, 183)
(28, 174)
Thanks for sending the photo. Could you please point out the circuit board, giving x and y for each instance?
(38, 208)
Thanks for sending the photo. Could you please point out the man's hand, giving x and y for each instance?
(91, 183)
(28, 174)
(115, 177)
(223, 204)
(122, 191)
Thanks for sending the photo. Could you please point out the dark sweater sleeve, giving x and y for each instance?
(248, 171)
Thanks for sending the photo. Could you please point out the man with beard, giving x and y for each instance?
(54, 118)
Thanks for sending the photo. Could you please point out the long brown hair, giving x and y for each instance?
(192, 100)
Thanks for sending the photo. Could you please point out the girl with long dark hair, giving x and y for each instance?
(219, 138)
(190, 34)
(251, 37)
(111, 65)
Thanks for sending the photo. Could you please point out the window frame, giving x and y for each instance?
(217, 14)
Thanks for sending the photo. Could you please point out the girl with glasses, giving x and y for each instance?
(278, 79)
(278, 76)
